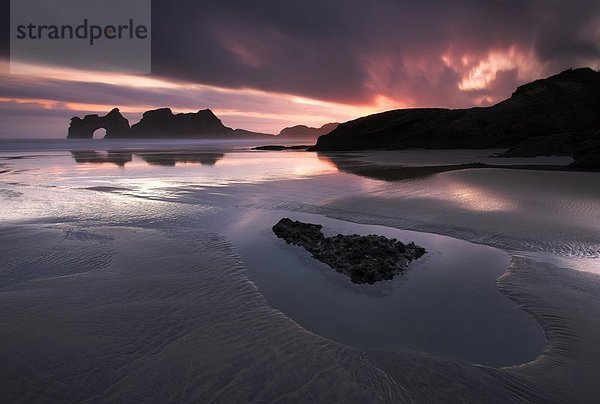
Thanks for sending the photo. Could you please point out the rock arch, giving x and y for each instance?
(115, 124)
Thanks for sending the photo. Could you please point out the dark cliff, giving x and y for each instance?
(566, 102)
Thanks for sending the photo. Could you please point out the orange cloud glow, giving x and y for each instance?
(251, 109)
(479, 73)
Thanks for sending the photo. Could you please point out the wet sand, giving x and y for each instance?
(94, 308)
(369, 167)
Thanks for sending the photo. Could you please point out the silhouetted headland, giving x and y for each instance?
(158, 124)
(556, 115)
(307, 132)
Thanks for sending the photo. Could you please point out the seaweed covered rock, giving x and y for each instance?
(365, 259)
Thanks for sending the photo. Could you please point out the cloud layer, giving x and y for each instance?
(268, 64)
(350, 51)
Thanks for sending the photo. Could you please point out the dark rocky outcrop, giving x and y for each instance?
(307, 132)
(365, 259)
(159, 123)
(583, 146)
(568, 102)
(115, 124)
(561, 144)
(275, 147)
(587, 153)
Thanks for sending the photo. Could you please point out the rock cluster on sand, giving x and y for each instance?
(365, 259)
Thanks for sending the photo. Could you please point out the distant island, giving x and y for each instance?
(559, 115)
(306, 132)
(158, 124)
(162, 123)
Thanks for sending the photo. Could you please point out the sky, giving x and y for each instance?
(265, 65)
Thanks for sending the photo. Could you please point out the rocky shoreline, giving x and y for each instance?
(557, 115)
(365, 259)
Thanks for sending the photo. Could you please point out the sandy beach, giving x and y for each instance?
(149, 281)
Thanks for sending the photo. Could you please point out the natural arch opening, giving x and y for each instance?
(99, 133)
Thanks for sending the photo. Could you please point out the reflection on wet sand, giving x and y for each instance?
(170, 159)
(120, 158)
(353, 164)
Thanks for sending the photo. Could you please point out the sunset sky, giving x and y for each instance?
(264, 65)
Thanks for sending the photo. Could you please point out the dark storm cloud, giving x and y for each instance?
(319, 49)
(23, 87)
(323, 49)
